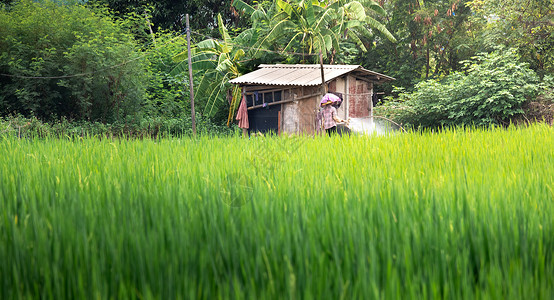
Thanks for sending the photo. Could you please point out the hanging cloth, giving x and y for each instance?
(242, 114)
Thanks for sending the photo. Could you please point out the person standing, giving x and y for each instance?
(329, 113)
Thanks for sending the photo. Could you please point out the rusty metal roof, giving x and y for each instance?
(304, 75)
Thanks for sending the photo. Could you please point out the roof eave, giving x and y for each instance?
(344, 69)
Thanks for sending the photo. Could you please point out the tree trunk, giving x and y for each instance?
(427, 63)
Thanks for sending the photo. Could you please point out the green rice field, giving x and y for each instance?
(454, 214)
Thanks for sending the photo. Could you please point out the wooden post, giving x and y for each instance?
(372, 124)
(243, 98)
(150, 27)
(190, 80)
(323, 87)
(347, 97)
(279, 123)
(371, 99)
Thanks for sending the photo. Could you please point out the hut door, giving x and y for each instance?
(264, 119)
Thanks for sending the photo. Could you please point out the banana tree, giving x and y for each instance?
(310, 26)
(218, 61)
(354, 19)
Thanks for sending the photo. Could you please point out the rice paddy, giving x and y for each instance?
(457, 214)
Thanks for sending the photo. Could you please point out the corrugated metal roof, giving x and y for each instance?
(303, 75)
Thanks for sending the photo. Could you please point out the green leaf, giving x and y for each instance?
(275, 32)
(357, 40)
(226, 46)
(286, 7)
(258, 15)
(241, 5)
(208, 44)
(291, 41)
(355, 10)
(181, 56)
(380, 27)
(309, 12)
(374, 6)
(238, 55)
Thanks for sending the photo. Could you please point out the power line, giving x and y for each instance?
(150, 52)
(73, 75)
(93, 72)
(253, 48)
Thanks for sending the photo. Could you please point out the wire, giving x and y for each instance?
(73, 75)
(155, 49)
(97, 71)
(150, 52)
(252, 48)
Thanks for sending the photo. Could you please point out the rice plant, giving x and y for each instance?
(454, 214)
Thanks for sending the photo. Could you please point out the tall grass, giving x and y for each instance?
(459, 214)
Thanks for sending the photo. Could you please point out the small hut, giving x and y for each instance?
(285, 98)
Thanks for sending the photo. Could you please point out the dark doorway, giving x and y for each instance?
(264, 119)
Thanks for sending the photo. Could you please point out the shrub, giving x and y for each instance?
(491, 90)
(148, 127)
(52, 39)
(167, 95)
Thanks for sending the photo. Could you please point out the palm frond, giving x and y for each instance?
(208, 44)
(224, 33)
(292, 40)
(275, 32)
(243, 6)
(224, 64)
(212, 99)
(356, 10)
(352, 35)
(284, 6)
(380, 27)
(310, 17)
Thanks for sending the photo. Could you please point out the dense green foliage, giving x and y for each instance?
(88, 66)
(96, 203)
(146, 127)
(167, 95)
(312, 27)
(527, 25)
(217, 62)
(169, 14)
(457, 214)
(433, 37)
(491, 90)
(114, 63)
(68, 61)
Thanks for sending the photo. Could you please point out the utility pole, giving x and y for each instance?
(323, 90)
(190, 79)
(323, 87)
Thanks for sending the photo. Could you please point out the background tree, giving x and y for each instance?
(312, 26)
(168, 14)
(42, 42)
(527, 25)
(433, 37)
(491, 90)
(216, 62)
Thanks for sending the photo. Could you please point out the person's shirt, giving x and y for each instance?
(328, 113)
